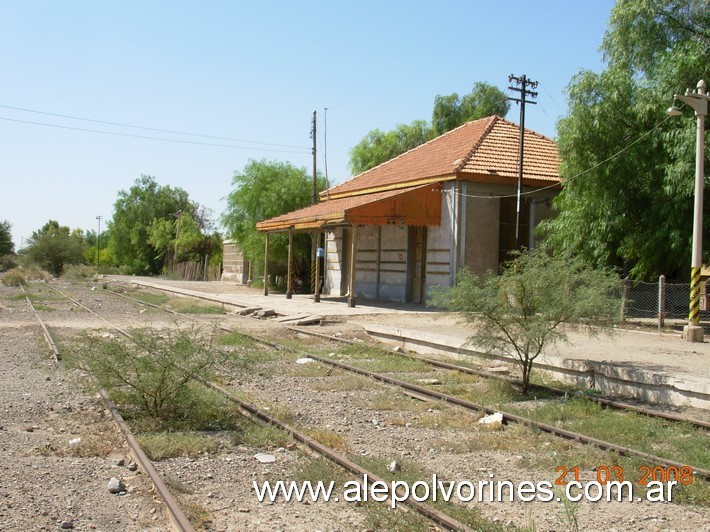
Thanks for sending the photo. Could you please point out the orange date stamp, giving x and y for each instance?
(605, 474)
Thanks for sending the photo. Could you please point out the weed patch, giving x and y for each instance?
(164, 445)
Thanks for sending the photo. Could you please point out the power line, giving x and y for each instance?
(150, 128)
(151, 138)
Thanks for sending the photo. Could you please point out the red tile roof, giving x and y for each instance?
(338, 210)
(476, 150)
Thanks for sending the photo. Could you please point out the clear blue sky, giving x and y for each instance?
(253, 71)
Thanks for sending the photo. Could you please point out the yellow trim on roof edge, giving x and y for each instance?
(385, 188)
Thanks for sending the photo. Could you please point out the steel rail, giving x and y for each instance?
(470, 406)
(426, 510)
(423, 509)
(45, 331)
(603, 401)
(176, 513)
(179, 518)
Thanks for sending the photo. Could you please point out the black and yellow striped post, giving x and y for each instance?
(698, 101)
(694, 314)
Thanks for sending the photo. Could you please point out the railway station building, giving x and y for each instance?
(411, 223)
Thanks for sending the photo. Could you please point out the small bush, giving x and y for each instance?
(7, 262)
(14, 277)
(34, 273)
(153, 373)
(79, 272)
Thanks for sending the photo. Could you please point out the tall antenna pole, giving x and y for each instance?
(522, 83)
(325, 150)
(315, 234)
(314, 196)
(98, 243)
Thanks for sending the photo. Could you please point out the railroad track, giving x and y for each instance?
(600, 400)
(603, 401)
(508, 417)
(176, 513)
(436, 516)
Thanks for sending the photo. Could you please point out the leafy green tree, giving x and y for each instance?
(262, 190)
(6, 245)
(453, 110)
(133, 217)
(54, 246)
(163, 236)
(522, 310)
(629, 170)
(378, 147)
(449, 112)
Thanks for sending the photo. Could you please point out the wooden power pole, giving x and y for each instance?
(522, 83)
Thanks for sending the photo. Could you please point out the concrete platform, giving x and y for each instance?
(647, 382)
(643, 364)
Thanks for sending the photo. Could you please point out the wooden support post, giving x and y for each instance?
(353, 248)
(624, 299)
(289, 282)
(266, 266)
(316, 293)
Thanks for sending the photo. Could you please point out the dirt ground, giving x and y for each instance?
(47, 483)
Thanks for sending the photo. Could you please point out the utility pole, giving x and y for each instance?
(314, 200)
(522, 83)
(177, 215)
(314, 196)
(98, 243)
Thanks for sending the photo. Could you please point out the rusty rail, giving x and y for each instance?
(423, 509)
(468, 405)
(176, 513)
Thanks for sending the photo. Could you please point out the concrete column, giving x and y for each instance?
(289, 282)
(377, 261)
(531, 225)
(266, 266)
(353, 248)
(316, 295)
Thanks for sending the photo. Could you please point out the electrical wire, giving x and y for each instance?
(150, 128)
(622, 150)
(151, 138)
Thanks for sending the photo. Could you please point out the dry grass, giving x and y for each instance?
(328, 438)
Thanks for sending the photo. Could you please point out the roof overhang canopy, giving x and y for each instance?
(408, 206)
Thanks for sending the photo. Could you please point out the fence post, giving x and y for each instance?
(624, 298)
(661, 301)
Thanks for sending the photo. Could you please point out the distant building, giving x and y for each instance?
(234, 266)
(411, 223)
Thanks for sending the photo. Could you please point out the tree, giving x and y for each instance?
(449, 112)
(522, 309)
(133, 217)
(7, 247)
(54, 246)
(162, 235)
(262, 190)
(378, 147)
(628, 170)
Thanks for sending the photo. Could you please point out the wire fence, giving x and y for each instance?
(659, 301)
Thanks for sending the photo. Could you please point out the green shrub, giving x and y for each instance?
(153, 373)
(14, 277)
(79, 272)
(7, 262)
